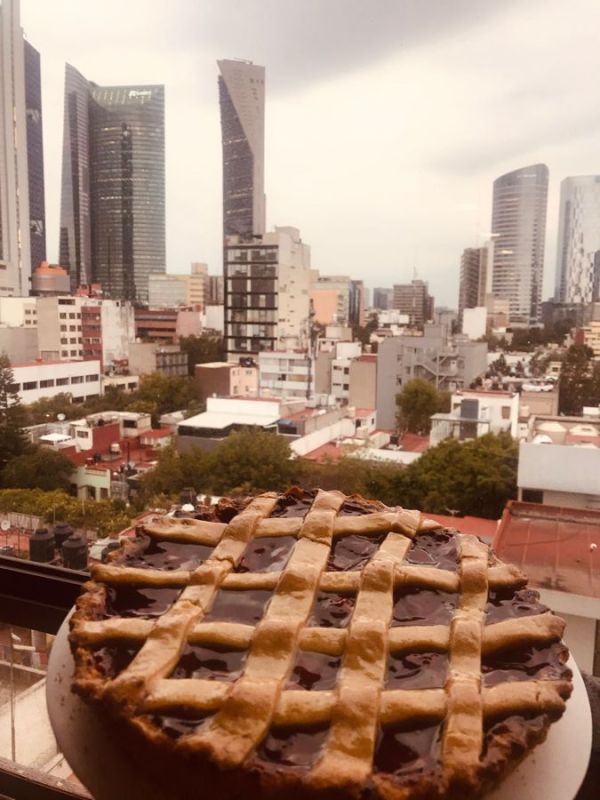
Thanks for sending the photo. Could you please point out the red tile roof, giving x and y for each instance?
(413, 443)
(364, 412)
(554, 546)
(476, 526)
(327, 451)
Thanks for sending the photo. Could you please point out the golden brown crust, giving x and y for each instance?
(240, 713)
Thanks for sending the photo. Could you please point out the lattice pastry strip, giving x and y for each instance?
(241, 713)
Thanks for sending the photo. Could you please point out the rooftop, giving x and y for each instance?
(558, 548)
(476, 526)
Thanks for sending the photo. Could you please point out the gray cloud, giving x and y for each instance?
(311, 40)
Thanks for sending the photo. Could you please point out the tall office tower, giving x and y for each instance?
(578, 253)
(35, 156)
(519, 228)
(383, 298)
(267, 282)
(112, 227)
(242, 101)
(473, 273)
(21, 159)
(414, 300)
(357, 304)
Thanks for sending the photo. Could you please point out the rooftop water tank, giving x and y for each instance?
(75, 552)
(62, 531)
(41, 546)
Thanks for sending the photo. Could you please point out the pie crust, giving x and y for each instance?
(316, 645)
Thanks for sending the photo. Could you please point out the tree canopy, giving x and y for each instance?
(579, 383)
(13, 441)
(41, 468)
(417, 401)
(202, 349)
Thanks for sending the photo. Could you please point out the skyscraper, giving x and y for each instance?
(242, 101)
(519, 227)
(414, 300)
(578, 253)
(22, 217)
(113, 191)
(473, 271)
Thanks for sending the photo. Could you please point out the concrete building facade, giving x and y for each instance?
(38, 379)
(450, 363)
(519, 229)
(147, 357)
(267, 281)
(363, 381)
(414, 300)
(285, 374)
(474, 413)
(226, 379)
(473, 277)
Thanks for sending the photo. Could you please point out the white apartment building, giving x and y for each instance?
(340, 369)
(267, 285)
(38, 379)
(475, 413)
(172, 289)
(284, 374)
(59, 327)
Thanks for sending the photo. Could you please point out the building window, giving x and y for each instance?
(77, 379)
(505, 412)
(533, 496)
(45, 384)
(62, 381)
(28, 385)
(64, 353)
(91, 378)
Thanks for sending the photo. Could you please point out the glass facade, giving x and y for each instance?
(35, 155)
(113, 203)
(519, 228)
(578, 252)
(242, 102)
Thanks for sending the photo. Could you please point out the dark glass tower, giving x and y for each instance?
(242, 102)
(35, 155)
(113, 200)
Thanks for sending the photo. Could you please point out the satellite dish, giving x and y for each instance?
(188, 508)
(60, 417)
(4, 525)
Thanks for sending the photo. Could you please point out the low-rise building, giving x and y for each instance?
(363, 381)
(345, 352)
(591, 337)
(559, 464)
(474, 413)
(37, 379)
(448, 362)
(226, 379)
(285, 373)
(147, 357)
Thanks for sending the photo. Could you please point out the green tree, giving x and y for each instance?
(163, 393)
(13, 441)
(41, 468)
(250, 460)
(476, 477)
(579, 383)
(417, 401)
(202, 350)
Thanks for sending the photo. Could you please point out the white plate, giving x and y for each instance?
(553, 771)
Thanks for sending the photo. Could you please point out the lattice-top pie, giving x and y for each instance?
(313, 644)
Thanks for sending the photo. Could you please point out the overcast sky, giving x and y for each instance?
(386, 121)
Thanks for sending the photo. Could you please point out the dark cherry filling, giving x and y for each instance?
(212, 663)
(332, 610)
(434, 549)
(513, 729)
(110, 661)
(353, 552)
(314, 671)
(293, 747)
(352, 508)
(508, 603)
(416, 606)
(239, 606)
(168, 555)
(267, 554)
(541, 663)
(402, 752)
(416, 671)
(296, 503)
(177, 724)
(145, 602)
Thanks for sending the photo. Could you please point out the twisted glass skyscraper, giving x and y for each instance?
(578, 253)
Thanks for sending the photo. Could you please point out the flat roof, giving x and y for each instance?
(553, 545)
(221, 419)
(476, 526)
(39, 363)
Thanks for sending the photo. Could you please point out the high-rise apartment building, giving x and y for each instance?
(242, 101)
(519, 228)
(215, 290)
(22, 215)
(473, 273)
(578, 252)
(267, 282)
(330, 296)
(414, 300)
(112, 228)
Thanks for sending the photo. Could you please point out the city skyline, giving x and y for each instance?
(307, 177)
(578, 248)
